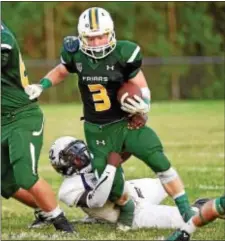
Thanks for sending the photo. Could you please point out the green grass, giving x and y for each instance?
(193, 137)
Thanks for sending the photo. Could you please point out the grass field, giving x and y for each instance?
(193, 137)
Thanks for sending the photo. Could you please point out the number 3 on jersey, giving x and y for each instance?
(101, 95)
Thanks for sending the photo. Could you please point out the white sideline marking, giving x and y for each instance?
(203, 169)
(159, 238)
(192, 143)
(207, 154)
(37, 235)
(210, 187)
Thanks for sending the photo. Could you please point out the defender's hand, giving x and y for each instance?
(114, 159)
(125, 155)
(34, 91)
(137, 121)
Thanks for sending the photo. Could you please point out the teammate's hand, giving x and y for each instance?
(137, 121)
(136, 105)
(114, 159)
(33, 91)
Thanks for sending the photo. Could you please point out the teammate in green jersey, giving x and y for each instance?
(103, 64)
(22, 136)
(209, 211)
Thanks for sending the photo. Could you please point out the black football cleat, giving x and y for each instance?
(62, 224)
(179, 235)
(201, 201)
(40, 221)
(198, 203)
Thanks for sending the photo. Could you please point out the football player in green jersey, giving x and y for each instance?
(209, 211)
(103, 64)
(22, 136)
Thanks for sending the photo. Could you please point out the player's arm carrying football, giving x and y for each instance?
(137, 107)
(138, 104)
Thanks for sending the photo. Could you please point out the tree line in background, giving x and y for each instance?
(162, 29)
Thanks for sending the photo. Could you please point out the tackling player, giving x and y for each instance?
(103, 64)
(22, 136)
(80, 188)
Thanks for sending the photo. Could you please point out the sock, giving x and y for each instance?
(127, 213)
(183, 205)
(53, 214)
(219, 204)
(189, 227)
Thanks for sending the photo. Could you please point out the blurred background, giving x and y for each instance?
(182, 43)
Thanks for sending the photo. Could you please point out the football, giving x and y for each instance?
(129, 87)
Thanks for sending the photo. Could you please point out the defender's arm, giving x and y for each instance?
(75, 195)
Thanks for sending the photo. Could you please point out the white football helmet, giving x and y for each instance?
(68, 155)
(94, 22)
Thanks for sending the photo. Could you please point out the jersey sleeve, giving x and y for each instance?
(67, 60)
(71, 190)
(132, 58)
(98, 196)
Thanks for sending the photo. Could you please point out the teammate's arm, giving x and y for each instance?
(210, 211)
(60, 72)
(57, 75)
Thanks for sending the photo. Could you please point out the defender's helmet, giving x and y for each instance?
(94, 22)
(69, 155)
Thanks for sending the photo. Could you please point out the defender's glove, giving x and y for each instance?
(137, 105)
(34, 91)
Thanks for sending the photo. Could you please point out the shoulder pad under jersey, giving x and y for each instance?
(71, 44)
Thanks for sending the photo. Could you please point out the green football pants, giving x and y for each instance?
(21, 143)
(143, 143)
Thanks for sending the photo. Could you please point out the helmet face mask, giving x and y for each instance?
(68, 156)
(96, 22)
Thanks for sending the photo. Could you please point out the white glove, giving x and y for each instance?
(136, 106)
(33, 91)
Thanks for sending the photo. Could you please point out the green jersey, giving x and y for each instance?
(13, 74)
(99, 80)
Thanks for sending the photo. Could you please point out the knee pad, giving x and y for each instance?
(167, 176)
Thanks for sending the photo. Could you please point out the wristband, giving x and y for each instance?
(45, 83)
(146, 95)
(147, 101)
